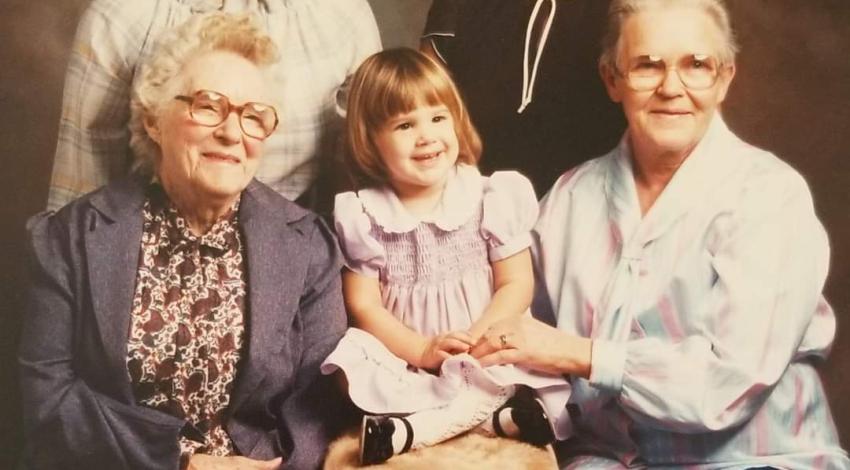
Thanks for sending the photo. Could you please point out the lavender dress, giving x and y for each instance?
(435, 276)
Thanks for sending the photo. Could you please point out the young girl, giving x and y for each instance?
(435, 254)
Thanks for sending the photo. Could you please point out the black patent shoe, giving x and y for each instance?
(529, 416)
(376, 439)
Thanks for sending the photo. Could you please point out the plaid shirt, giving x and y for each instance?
(321, 42)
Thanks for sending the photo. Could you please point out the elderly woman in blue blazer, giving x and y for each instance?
(177, 319)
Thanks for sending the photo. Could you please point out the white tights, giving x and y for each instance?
(474, 405)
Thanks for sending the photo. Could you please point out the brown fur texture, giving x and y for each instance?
(467, 452)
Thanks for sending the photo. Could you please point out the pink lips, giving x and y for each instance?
(427, 156)
(671, 112)
(221, 157)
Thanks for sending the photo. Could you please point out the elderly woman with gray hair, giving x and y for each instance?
(177, 319)
(684, 271)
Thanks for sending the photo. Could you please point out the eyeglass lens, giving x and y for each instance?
(256, 119)
(697, 71)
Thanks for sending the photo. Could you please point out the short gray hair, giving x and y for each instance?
(619, 10)
(154, 86)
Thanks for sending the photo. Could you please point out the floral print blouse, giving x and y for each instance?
(187, 325)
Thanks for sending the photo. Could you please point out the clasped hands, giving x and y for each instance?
(499, 344)
(522, 341)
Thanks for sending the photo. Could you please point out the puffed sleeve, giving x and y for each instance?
(361, 251)
(510, 211)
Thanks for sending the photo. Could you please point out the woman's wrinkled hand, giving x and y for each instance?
(211, 462)
(530, 343)
(439, 348)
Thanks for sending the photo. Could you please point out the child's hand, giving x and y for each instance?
(439, 348)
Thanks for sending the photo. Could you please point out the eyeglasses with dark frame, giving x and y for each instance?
(210, 108)
(647, 72)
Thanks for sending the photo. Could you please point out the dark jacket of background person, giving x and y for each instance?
(569, 119)
(79, 407)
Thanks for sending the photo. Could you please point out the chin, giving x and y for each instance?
(674, 142)
(222, 189)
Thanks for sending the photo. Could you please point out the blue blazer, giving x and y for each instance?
(78, 404)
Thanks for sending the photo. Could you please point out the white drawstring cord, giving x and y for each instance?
(528, 84)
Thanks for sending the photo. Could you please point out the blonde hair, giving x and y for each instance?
(155, 85)
(620, 10)
(393, 82)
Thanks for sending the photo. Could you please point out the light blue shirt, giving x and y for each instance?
(706, 313)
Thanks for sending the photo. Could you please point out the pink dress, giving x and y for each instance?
(435, 276)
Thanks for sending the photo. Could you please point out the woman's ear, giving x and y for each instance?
(152, 128)
(609, 78)
(724, 79)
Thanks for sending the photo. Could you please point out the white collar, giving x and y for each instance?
(460, 199)
(704, 170)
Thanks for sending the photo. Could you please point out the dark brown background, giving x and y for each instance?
(791, 96)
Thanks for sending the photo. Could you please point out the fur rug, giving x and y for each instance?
(467, 452)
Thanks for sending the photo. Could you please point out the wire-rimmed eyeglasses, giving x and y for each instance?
(647, 72)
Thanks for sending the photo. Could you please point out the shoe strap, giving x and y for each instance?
(497, 425)
(408, 441)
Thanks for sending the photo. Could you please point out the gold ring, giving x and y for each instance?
(503, 338)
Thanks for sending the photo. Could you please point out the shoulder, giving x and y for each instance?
(113, 33)
(346, 7)
(348, 14)
(588, 176)
(762, 181)
(508, 192)
(510, 181)
(285, 231)
(351, 220)
(65, 227)
(259, 200)
(118, 14)
(347, 201)
(348, 207)
(578, 193)
(122, 197)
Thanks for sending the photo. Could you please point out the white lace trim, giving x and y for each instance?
(460, 200)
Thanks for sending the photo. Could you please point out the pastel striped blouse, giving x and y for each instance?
(706, 313)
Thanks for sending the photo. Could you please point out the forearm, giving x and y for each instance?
(398, 338)
(510, 301)
(573, 356)
(535, 345)
(513, 288)
(363, 302)
(69, 425)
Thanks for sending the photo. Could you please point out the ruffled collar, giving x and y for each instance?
(459, 202)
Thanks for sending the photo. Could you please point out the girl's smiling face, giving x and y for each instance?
(419, 149)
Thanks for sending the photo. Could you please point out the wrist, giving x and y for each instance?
(477, 330)
(420, 350)
(575, 358)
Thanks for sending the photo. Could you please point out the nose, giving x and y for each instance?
(229, 130)
(672, 84)
(426, 134)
